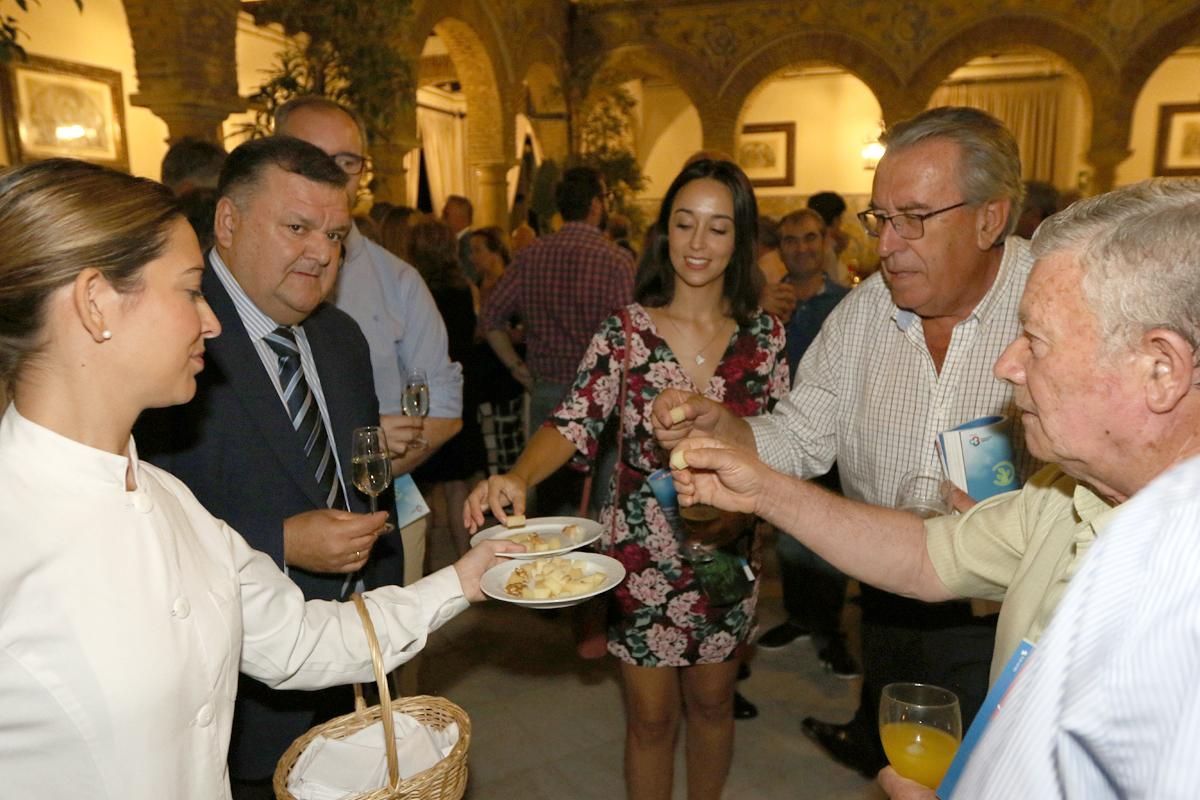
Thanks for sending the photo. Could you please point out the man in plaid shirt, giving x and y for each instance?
(563, 286)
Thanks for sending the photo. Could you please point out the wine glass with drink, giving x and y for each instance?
(415, 401)
(920, 727)
(371, 462)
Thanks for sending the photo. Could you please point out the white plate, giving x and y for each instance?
(494, 579)
(543, 525)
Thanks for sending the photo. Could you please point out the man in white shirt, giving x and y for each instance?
(1106, 378)
(906, 355)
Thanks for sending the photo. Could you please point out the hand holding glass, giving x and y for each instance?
(372, 465)
(921, 728)
(415, 402)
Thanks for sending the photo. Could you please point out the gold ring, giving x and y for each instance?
(357, 554)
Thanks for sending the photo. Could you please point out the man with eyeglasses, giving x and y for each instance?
(391, 303)
(906, 355)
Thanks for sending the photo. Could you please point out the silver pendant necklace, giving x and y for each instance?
(699, 357)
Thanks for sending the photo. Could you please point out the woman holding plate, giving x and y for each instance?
(128, 609)
(695, 325)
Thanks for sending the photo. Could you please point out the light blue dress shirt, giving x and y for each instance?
(391, 303)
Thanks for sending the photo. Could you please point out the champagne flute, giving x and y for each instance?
(921, 727)
(371, 462)
(415, 402)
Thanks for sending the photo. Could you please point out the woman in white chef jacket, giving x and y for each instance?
(125, 608)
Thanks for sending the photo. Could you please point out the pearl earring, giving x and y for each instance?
(106, 334)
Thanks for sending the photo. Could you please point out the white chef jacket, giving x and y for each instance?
(124, 617)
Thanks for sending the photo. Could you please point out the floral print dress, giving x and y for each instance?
(662, 617)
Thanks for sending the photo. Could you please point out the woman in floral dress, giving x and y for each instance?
(696, 325)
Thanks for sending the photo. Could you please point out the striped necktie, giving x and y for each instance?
(306, 415)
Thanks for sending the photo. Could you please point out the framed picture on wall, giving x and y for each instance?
(767, 152)
(58, 108)
(1178, 149)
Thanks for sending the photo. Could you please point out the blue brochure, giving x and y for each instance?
(991, 704)
(410, 505)
(977, 457)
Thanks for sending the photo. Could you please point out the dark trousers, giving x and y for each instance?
(252, 790)
(936, 643)
(813, 589)
(558, 495)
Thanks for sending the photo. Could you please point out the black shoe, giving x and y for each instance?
(844, 744)
(743, 708)
(837, 659)
(782, 635)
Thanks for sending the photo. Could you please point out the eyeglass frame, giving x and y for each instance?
(918, 219)
(364, 162)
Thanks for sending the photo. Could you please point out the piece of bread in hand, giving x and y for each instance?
(515, 521)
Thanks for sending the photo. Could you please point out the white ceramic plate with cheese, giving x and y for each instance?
(544, 536)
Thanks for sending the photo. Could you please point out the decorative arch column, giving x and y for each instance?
(491, 193)
(186, 60)
(391, 178)
(718, 127)
(1112, 122)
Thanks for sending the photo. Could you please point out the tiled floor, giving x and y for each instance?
(548, 726)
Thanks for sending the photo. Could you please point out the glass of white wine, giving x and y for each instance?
(920, 727)
(415, 402)
(372, 465)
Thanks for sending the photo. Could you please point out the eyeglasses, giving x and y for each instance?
(906, 226)
(351, 163)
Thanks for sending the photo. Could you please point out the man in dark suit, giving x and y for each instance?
(265, 445)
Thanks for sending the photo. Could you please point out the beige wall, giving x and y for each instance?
(670, 132)
(256, 50)
(98, 37)
(835, 115)
(1177, 80)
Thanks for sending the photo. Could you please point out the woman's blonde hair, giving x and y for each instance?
(60, 217)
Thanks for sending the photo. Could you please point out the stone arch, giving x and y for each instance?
(1150, 52)
(793, 49)
(487, 107)
(483, 68)
(660, 60)
(185, 57)
(1008, 32)
(1111, 120)
(546, 108)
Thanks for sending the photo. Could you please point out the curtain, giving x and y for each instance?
(1028, 106)
(444, 142)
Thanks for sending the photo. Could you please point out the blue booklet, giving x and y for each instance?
(991, 704)
(977, 457)
(410, 505)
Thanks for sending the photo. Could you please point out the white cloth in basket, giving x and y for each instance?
(331, 769)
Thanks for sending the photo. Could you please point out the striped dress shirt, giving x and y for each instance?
(1108, 706)
(258, 325)
(867, 394)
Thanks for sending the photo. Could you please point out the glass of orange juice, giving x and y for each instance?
(921, 727)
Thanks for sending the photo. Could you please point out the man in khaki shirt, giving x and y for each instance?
(1105, 377)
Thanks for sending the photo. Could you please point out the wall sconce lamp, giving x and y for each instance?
(871, 153)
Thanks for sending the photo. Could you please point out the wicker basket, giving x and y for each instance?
(446, 780)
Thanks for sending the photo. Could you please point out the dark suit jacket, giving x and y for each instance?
(235, 448)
